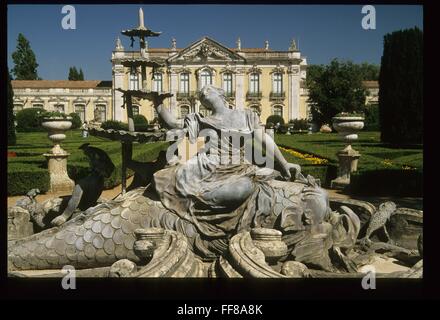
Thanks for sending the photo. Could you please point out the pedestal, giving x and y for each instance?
(59, 179)
(348, 161)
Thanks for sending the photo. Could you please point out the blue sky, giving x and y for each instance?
(323, 32)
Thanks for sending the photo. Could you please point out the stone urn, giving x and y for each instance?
(347, 126)
(270, 243)
(56, 127)
(147, 240)
(57, 157)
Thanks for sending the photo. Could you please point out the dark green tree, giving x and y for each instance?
(401, 87)
(369, 71)
(11, 126)
(335, 88)
(25, 63)
(74, 75)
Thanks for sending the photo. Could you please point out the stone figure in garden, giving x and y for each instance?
(88, 190)
(219, 194)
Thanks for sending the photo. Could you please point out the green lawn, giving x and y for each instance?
(373, 153)
(29, 168)
(382, 170)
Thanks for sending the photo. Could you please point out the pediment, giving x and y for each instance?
(206, 50)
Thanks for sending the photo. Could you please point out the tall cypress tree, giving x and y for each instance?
(81, 75)
(10, 114)
(25, 63)
(401, 87)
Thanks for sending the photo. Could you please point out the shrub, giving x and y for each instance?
(275, 119)
(283, 129)
(300, 124)
(22, 177)
(401, 87)
(140, 123)
(393, 182)
(28, 120)
(76, 120)
(372, 118)
(113, 124)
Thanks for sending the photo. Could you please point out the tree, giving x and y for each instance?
(74, 75)
(369, 71)
(401, 87)
(335, 88)
(25, 63)
(11, 126)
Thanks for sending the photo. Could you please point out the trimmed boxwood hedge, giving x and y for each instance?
(22, 177)
(25, 173)
(387, 182)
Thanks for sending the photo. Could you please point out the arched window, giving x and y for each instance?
(157, 82)
(100, 113)
(135, 110)
(205, 78)
(203, 111)
(80, 110)
(59, 107)
(277, 83)
(134, 80)
(278, 110)
(38, 105)
(227, 83)
(254, 83)
(184, 110)
(184, 82)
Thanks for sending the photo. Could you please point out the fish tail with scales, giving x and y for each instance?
(97, 239)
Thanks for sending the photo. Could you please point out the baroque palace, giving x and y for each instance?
(267, 81)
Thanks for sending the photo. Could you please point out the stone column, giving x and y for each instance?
(118, 82)
(348, 161)
(293, 92)
(173, 89)
(239, 89)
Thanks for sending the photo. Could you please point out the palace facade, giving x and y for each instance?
(265, 80)
(91, 99)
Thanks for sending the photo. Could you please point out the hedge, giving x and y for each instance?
(23, 177)
(25, 173)
(387, 182)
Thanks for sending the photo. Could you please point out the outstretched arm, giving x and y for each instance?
(269, 144)
(167, 116)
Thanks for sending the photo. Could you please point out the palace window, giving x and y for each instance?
(134, 80)
(100, 113)
(204, 111)
(227, 83)
(59, 108)
(38, 105)
(80, 110)
(254, 83)
(157, 82)
(277, 84)
(184, 110)
(17, 107)
(135, 110)
(278, 111)
(205, 78)
(184, 82)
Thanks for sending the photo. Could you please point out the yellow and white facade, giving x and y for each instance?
(268, 81)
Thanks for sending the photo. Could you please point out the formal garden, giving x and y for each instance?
(27, 167)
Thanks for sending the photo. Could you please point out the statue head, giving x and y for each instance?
(316, 204)
(213, 98)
